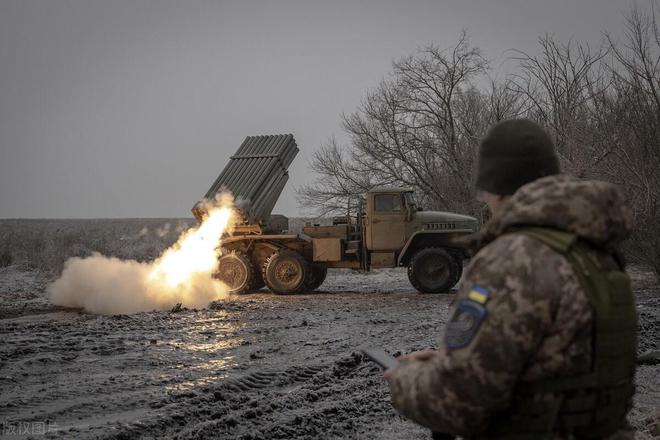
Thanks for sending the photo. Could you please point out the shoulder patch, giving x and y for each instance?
(479, 294)
(467, 318)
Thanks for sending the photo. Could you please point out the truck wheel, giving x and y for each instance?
(316, 277)
(459, 269)
(433, 270)
(286, 271)
(236, 271)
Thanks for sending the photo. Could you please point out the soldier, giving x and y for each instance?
(542, 340)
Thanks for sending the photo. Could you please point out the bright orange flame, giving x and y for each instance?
(182, 274)
(195, 253)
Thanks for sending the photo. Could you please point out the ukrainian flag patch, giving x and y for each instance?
(479, 294)
(466, 320)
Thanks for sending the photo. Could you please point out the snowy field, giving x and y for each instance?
(250, 367)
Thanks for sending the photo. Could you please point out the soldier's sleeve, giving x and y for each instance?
(505, 303)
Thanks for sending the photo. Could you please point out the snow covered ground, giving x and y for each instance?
(251, 367)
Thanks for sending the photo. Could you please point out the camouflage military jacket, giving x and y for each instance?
(536, 321)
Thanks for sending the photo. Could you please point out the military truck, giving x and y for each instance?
(387, 230)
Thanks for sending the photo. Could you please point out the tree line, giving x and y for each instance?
(421, 126)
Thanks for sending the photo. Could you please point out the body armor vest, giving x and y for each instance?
(595, 404)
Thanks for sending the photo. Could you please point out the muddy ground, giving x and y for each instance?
(258, 366)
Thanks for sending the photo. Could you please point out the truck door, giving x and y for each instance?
(387, 218)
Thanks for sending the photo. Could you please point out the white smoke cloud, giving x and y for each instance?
(181, 274)
(110, 286)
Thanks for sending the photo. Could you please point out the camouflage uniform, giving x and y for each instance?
(538, 322)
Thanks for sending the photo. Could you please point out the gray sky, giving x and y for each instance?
(113, 108)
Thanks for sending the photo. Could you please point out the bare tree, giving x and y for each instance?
(558, 85)
(418, 128)
(632, 109)
(421, 126)
(340, 182)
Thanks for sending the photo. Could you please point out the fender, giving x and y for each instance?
(434, 235)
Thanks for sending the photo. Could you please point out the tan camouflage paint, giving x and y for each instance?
(538, 322)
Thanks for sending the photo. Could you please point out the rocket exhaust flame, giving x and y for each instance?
(181, 274)
(194, 252)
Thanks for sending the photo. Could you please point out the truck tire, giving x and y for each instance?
(433, 270)
(286, 272)
(458, 259)
(236, 271)
(316, 276)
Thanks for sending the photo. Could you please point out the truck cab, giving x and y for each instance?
(396, 227)
(393, 231)
(386, 219)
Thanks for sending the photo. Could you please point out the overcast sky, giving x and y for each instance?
(112, 108)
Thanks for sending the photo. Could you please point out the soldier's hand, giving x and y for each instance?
(422, 355)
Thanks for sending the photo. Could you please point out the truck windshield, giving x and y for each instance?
(387, 202)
